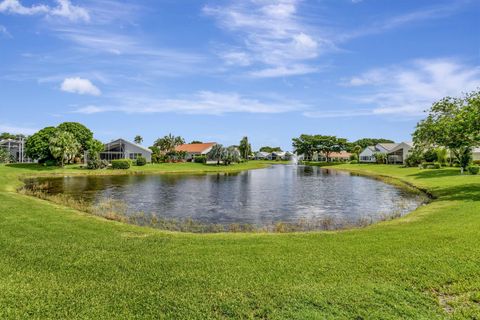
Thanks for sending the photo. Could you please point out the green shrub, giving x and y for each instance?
(50, 163)
(437, 165)
(476, 162)
(473, 169)
(354, 161)
(200, 159)
(121, 164)
(94, 164)
(429, 165)
(141, 161)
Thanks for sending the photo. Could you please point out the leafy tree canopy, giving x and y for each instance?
(453, 123)
(245, 148)
(138, 139)
(168, 143)
(82, 134)
(63, 146)
(365, 142)
(37, 145)
(196, 142)
(270, 149)
(308, 144)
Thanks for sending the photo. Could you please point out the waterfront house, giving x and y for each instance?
(195, 149)
(395, 152)
(16, 148)
(123, 149)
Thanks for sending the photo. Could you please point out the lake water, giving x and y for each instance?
(285, 193)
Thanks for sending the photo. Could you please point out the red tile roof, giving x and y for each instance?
(195, 147)
(342, 154)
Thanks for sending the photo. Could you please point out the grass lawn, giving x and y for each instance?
(59, 263)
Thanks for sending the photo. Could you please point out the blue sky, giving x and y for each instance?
(219, 70)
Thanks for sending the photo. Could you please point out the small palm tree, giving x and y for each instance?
(138, 139)
(357, 150)
(216, 153)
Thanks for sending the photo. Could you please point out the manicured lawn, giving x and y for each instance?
(59, 263)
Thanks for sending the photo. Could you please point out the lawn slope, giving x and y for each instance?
(59, 263)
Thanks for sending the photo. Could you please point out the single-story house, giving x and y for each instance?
(195, 149)
(16, 148)
(395, 152)
(123, 149)
(261, 155)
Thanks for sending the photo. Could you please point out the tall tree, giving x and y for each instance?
(63, 146)
(453, 123)
(304, 145)
(168, 143)
(37, 145)
(216, 153)
(270, 149)
(138, 139)
(82, 134)
(328, 144)
(94, 148)
(245, 148)
(6, 136)
(366, 142)
(357, 149)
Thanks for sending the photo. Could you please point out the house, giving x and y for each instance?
(123, 149)
(336, 156)
(395, 152)
(16, 148)
(399, 153)
(195, 149)
(262, 155)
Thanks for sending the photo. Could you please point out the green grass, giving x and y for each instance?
(59, 263)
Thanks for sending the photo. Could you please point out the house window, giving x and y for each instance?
(134, 156)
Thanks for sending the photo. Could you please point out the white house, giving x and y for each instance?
(399, 153)
(262, 155)
(395, 152)
(123, 149)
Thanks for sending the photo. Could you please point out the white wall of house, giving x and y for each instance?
(367, 155)
(476, 154)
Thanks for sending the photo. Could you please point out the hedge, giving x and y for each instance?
(121, 164)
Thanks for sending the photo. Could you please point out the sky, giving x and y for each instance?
(220, 70)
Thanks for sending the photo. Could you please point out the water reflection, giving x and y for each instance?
(285, 193)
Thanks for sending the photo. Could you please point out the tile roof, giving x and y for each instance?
(195, 147)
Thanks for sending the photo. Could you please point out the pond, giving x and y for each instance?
(281, 193)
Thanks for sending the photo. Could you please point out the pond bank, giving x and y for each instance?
(56, 262)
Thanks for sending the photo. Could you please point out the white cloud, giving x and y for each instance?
(63, 9)
(4, 32)
(282, 71)
(16, 130)
(67, 10)
(202, 102)
(407, 19)
(272, 35)
(80, 86)
(409, 90)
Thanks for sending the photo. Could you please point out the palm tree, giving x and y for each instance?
(138, 139)
(216, 153)
(357, 150)
(168, 143)
(245, 148)
(63, 146)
